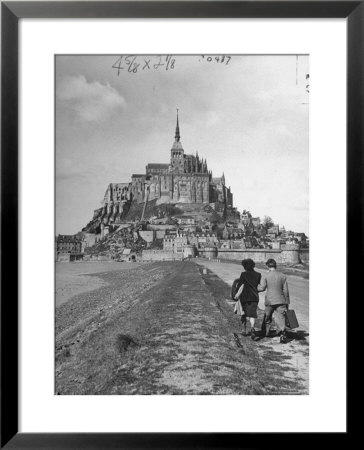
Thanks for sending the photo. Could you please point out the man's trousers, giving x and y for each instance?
(279, 316)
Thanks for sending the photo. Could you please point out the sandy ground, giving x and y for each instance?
(298, 288)
(73, 278)
(299, 298)
(166, 328)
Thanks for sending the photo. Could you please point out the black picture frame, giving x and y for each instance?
(11, 12)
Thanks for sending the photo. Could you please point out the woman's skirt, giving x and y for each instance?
(250, 309)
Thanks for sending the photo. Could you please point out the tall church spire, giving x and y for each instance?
(177, 135)
(177, 152)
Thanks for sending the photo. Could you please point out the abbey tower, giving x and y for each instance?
(184, 180)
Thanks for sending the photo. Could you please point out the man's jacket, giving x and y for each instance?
(277, 288)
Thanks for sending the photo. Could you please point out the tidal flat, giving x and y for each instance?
(74, 278)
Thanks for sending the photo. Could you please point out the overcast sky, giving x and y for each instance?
(248, 116)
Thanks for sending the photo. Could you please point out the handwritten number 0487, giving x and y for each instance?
(219, 59)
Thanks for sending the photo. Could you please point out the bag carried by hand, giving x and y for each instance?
(234, 288)
(236, 292)
(239, 309)
(291, 319)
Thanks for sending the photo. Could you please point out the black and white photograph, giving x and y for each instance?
(182, 224)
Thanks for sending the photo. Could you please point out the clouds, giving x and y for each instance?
(89, 101)
(249, 119)
(69, 170)
(77, 170)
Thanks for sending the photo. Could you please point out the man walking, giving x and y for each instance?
(276, 300)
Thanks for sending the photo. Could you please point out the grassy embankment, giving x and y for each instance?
(163, 328)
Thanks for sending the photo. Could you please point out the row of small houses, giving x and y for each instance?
(71, 248)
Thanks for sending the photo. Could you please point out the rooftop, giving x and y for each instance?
(157, 166)
(67, 238)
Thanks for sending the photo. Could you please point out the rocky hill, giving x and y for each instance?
(124, 233)
(133, 213)
(114, 244)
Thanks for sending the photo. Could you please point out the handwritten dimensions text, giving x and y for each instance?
(135, 63)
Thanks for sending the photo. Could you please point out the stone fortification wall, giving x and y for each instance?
(208, 252)
(290, 256)
(160, 255)
(63, 257)
(161, 227)
(260, 255)
(305, 255)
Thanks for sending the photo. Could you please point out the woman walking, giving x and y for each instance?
(249, 298)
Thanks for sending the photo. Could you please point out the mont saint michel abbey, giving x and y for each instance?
(173, 211)
(186, 179)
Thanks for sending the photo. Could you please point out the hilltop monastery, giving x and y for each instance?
(184, 180)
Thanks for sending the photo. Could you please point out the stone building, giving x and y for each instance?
(179, 244)
(69, 244)
(69, 248)
(273, 230)
(185, 179)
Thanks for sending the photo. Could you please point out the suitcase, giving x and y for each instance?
(291, 319)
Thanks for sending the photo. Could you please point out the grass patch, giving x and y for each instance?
(123, 342)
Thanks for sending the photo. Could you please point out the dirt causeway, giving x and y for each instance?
(167, 328)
